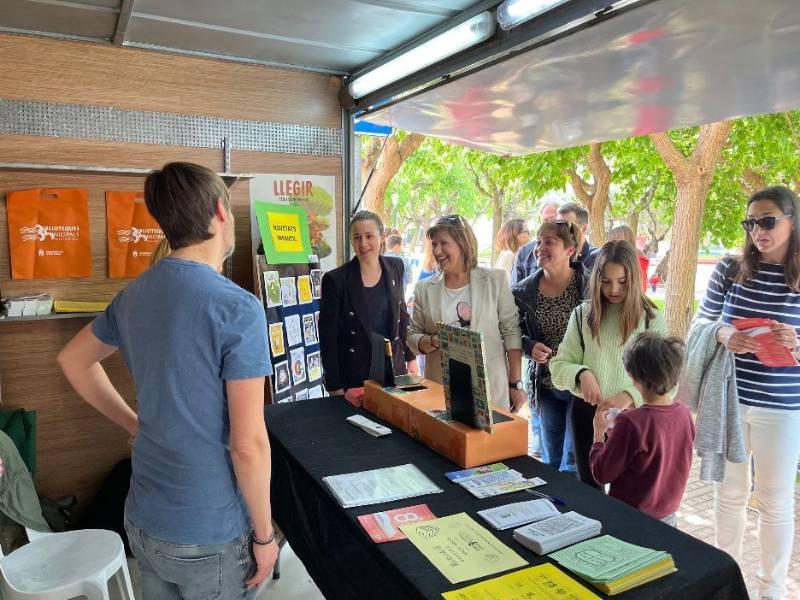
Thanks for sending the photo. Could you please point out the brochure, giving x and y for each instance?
(380, 485)
(461, 549)
(385, 526)
(467, 474)
(499, 482)
(518, 513)
(772, 354)
(557, 532)
(544, 582)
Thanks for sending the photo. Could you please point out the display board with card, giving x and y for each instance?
(291, 293)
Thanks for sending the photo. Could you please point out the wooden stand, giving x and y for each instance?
(463, 445)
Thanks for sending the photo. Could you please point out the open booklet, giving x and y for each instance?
(380, 485)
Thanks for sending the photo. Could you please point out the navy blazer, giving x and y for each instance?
(345, 324)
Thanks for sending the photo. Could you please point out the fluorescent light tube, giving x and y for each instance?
(477, 29)
(513, 12)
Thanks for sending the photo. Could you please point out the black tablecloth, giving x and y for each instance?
(311, 439)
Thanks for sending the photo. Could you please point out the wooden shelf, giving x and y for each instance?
(98, 169)
(47, 317)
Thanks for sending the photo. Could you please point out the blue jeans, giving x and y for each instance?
(535, 447)
(556, 429)
(190, 572)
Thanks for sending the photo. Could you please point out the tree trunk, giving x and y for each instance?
(692, 176)
(594, 196)
(497, 220)
(394, 155)
(663, 266)
(633, 223)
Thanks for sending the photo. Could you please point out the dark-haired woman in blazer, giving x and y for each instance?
(362, 304)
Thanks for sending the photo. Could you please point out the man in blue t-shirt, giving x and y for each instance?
(198, 513)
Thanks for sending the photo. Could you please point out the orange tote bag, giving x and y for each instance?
(48, 231)
(133, 234)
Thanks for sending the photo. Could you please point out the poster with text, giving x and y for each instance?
(316, 194)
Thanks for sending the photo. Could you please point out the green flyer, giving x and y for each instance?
(284, 233)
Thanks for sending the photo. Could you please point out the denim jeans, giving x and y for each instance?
(556, 429)
(190, 572)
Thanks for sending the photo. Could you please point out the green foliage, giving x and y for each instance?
(441, 177)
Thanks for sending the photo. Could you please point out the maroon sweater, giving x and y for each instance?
(647, 457)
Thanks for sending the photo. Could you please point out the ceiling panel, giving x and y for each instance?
(247, 45)
(91, 19)
(664, 65)
(337, 34)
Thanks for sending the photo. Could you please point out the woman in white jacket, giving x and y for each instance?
(466, 295)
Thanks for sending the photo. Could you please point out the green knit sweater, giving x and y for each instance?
(602, 356)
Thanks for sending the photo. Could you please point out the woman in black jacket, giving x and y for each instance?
(362, 304)
(545, 300)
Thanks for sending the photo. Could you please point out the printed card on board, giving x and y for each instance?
(309, 329)
(276, 339)
(272, 288)
(314, 366)
(316, 283)
(304, 289)
(298, 365)
(282, 379)
(288, 291)
(294, 333)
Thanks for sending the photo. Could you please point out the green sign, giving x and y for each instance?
(284, 233)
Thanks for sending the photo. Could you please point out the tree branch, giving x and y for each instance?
(672, 157)
(477, 178)
(579, 187)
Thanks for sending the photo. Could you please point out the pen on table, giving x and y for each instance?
(555, 499)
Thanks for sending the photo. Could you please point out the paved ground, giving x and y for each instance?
(696, 518)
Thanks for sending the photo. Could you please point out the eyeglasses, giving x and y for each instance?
(765, 223)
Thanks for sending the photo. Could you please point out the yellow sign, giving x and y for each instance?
(285, 230)
(461, 549)
(545, 582)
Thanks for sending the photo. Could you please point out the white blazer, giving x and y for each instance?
(494, 314)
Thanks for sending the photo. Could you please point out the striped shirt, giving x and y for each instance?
(767, 296)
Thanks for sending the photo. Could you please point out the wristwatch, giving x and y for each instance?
(516, 385)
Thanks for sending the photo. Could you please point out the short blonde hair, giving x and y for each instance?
(163, 250)
(457, 228)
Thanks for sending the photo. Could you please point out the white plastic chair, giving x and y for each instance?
(58, 566)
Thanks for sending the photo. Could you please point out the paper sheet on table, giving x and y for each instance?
(461, 549)
(380, 485)
(545, 582)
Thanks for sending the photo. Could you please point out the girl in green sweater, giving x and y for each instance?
(589, 359)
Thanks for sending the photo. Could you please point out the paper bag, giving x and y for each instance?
(133, 234)
(48, 231)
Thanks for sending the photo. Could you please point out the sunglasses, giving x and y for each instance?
(765, 223)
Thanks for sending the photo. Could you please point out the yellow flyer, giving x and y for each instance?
(545, 582)
(461, 549)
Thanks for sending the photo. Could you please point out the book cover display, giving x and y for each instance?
(464, 377)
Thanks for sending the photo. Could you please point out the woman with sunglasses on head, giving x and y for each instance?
(765, 283)
(466, 295)
(546, 299)
(589, 360)
(362, 304)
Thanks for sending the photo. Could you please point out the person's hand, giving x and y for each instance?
(590, 388)
(412, 368)
(540, 353)
(429, 343)
(265, 560)
(736, 341)
(600, 424)
(519, 398)
(621, 401)
(339, 392)
(784, 334)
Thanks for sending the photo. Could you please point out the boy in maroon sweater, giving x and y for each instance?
(647, 454)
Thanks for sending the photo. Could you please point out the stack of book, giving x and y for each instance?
(557, 532)
(614, 566)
